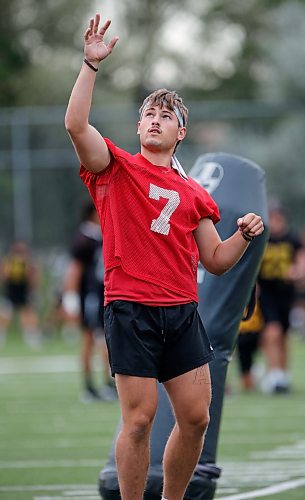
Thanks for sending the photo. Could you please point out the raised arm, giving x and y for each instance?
(219, 256)
(89, 145)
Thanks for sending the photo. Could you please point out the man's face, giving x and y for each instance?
(159, 129)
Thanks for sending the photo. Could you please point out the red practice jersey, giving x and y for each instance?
(148, 214)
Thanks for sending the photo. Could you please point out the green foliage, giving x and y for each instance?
(13, 56)
(36, 34)
(208, 50)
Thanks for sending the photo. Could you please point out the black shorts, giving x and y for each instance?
(276, 307)
(92, 310)
(158, 342)
(17, 294)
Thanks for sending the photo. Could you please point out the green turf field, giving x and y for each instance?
(52, 446)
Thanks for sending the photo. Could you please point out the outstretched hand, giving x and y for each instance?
(96, 49)
(251, 225)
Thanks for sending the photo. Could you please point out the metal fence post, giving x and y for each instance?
(21, 168)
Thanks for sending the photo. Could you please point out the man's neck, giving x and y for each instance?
(160, 158)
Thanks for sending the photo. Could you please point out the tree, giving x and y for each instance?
(37, 39)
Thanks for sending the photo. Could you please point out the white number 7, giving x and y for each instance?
(161, 224)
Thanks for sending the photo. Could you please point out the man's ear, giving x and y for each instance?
(138, 131)
(181, 133)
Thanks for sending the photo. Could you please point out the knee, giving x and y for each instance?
(201, 423)
(197, 424)
(139, 427)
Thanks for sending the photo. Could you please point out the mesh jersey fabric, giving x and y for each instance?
(121, 286)
(148, 214)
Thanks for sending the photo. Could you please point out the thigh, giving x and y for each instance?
(190, 394)
(268, 306)
(134, 340)
(187, 345)
(17, 295)
(285, 305)
(138, 397)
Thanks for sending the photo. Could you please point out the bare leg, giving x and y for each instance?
(138, 397)
(30, 328)
(284, 352)
(275, 346)
(190, 395)
(105, 360)
(247, 381)
(86, 353)
(272, 345)
(6, 315)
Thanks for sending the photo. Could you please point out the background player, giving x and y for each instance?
(155, 222)
(276, 279)
(248, 343)
(83, 301)
(19, 278)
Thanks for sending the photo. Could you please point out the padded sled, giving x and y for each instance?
(238, 187)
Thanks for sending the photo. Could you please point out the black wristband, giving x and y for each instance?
(247, 237)
(90, 65)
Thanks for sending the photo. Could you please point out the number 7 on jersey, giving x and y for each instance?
(161, 224)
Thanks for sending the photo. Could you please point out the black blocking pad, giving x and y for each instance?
(238, 187)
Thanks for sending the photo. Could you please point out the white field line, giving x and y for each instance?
(78, 497)
(270, 490)
(91, 491)
(41, 464)
(43, 364)
(72, 491)
(58, 443)
(300, 412)
(75, 497)
(46, 487)
(246, 439)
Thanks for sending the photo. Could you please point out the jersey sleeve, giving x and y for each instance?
(212, 208)
(105, 175)
(207, 207)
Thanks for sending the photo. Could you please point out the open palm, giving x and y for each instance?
(95, 48)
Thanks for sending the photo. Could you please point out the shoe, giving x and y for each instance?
(281, 389)
(109, 393)
(90, 395)
(276, 382)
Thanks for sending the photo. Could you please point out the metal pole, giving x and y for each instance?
(21, 175)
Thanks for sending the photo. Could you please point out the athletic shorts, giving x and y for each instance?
(159, 342)
(276, 308)
(92, 310)
(17, 294)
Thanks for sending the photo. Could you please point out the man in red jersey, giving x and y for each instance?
(156, 224)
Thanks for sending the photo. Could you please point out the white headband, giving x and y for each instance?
(177, 112)
(179, 116)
